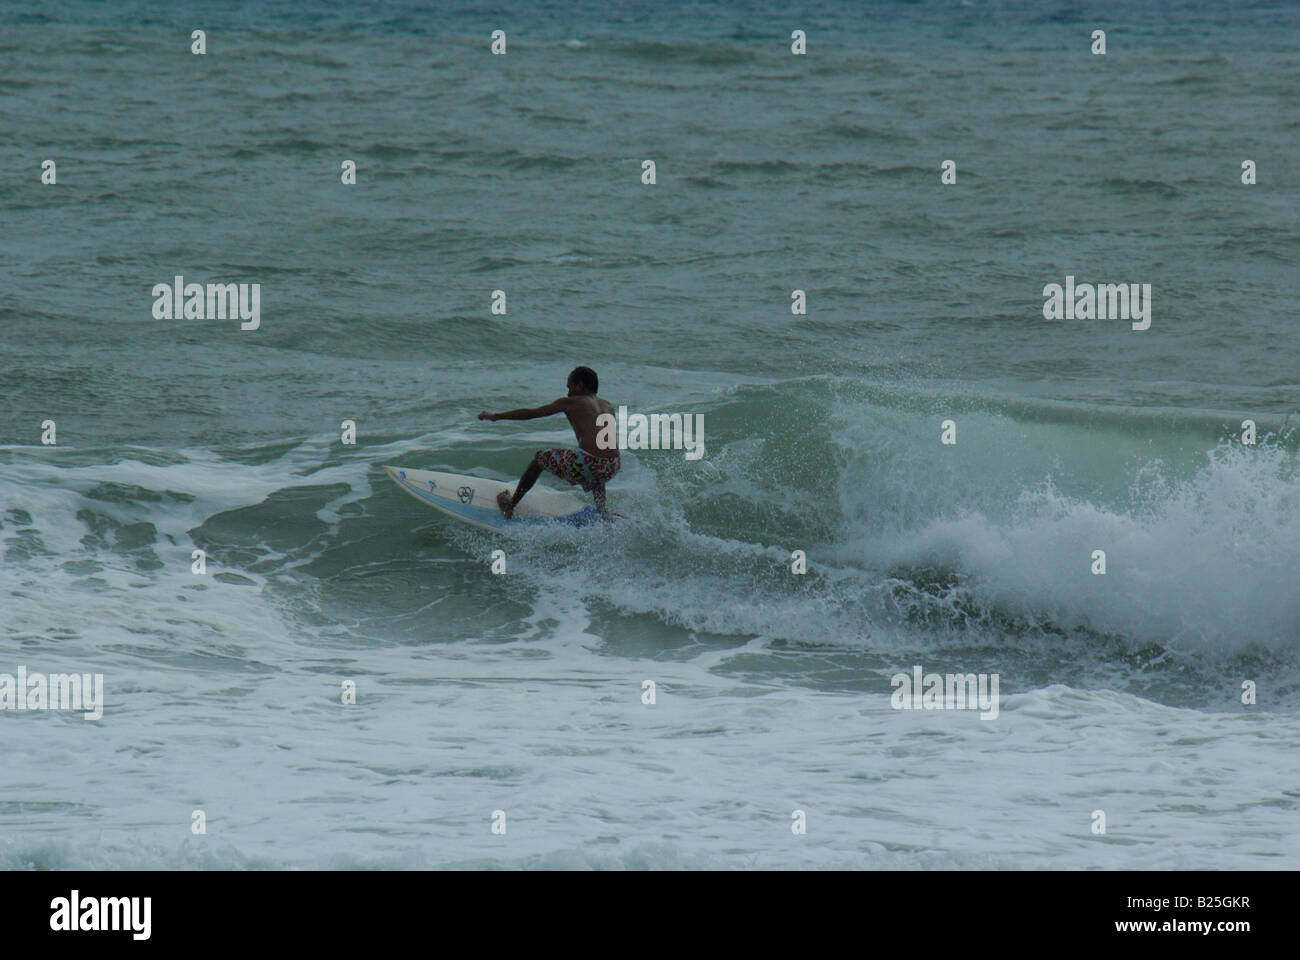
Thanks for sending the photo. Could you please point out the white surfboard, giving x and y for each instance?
(473, 500)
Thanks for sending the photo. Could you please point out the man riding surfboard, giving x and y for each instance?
(591, 465)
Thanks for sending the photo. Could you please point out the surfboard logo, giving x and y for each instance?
(466, 494)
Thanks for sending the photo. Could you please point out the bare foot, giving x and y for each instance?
(503, 501)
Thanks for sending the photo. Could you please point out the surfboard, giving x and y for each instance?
(473, 500)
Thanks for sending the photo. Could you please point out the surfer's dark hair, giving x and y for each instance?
(585, 377)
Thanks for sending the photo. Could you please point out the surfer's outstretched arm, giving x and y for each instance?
(529, 413)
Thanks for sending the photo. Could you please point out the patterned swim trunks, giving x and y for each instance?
(579, 466)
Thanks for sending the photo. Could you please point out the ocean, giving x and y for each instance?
(501, 720)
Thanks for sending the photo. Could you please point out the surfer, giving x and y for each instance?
(592, 465)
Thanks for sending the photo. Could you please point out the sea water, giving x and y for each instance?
(668, 692)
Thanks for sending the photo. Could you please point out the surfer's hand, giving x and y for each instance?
(487, 416)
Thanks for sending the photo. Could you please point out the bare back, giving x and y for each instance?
(582, 412)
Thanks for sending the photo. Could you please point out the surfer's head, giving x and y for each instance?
(583, 380)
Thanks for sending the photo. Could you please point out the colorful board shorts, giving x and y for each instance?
(579, 466)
